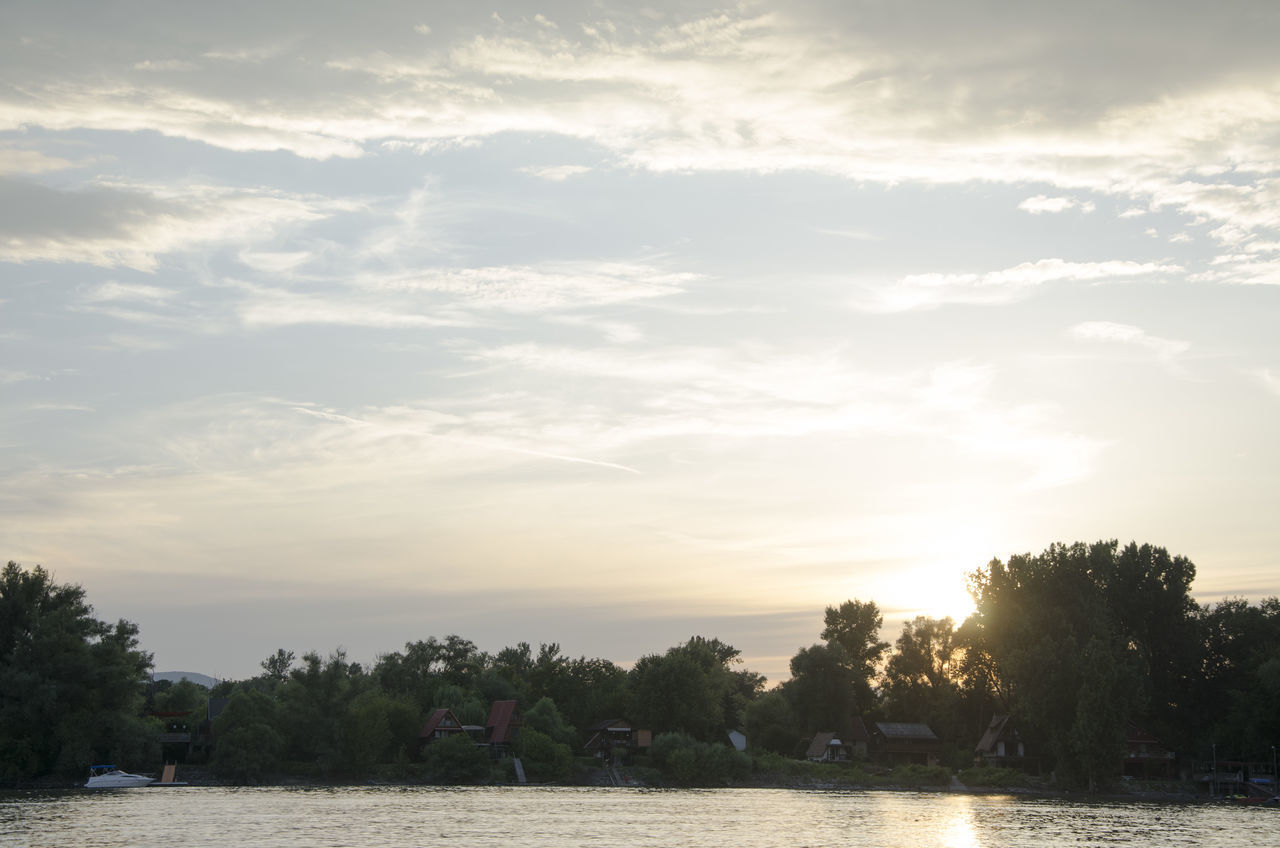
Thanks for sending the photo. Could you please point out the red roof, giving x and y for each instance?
(501, 726)
(443, 716)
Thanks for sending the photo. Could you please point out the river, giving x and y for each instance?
(416, 817)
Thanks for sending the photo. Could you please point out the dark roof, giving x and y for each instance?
(905, 730)
(858, 731)
(500, 727)
(436, 719)
(608, 724)
(821, 740)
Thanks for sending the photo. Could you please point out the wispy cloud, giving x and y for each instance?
(1164, 350)
(1042, 203)
(124, 225)
(556, 173)
(926, 291)
(1268, 379)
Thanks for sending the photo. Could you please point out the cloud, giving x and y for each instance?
(1041, 203)
(132, 226)
(1268, 379)
(812, 88)
(556, 173)
(927, 291)
(759, 392)
(460, 297)
(22, 161)
(1109, 332)
(8, 376)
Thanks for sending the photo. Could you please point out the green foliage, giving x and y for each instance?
(993, 776)
(822, 690)
(73, 685)
(543, 758)
(248, 745)
(456, 759)
(545, 717)
(689, 689)
(684, 761)
(855, 627)
(181, 697)
(1081, 637)
(789, 769)
(771, 725)
(920, 679)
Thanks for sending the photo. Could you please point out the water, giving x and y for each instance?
(417, 817)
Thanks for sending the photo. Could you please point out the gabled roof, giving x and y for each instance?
(442, 716)
(619, 724)
(905, 730)
(858, 730)
(499, 729)
(987, 743)
(821, 740)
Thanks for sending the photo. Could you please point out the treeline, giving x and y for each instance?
(1079, 643)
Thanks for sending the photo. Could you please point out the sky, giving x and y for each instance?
(607, 324)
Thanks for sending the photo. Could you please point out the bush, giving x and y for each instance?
(543, 758)
(779, 767)
(993, 776)
(917, 775)
(684, 761)
(456, 759)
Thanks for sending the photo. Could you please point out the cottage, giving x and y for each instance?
(826, 748)
(616, 733)
(1002, 744)
(502, 727)
(898, 742)
(440, 724)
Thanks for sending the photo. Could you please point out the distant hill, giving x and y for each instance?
(195, 677)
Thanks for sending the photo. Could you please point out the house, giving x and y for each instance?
(1145, 756)
(502, 727)
(900, 742)
(826, 748)
(857, 739)
(616, 733)
(1002, 744)
(440, 724)
(738, 740)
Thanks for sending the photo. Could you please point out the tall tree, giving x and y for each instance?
(691, 689)
(1074, 636)
(71, 687)
(855, 627)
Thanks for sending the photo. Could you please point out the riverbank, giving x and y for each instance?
(648, 778)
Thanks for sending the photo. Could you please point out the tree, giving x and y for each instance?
(690, 689)
(855, 627)
(822, 689)
(276, 667)
(1076, 637)
(920, 677)
(249, 746)
(771, 725)
(71, 687)
(456, 759)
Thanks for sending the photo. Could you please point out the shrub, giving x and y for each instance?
(456, 759)
(993, 776)
(918, 775)
(684, 761)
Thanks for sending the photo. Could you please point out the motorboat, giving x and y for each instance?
(110, 777)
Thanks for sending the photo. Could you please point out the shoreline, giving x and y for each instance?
(196, 777)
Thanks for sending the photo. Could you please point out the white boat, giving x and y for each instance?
(110, 777)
